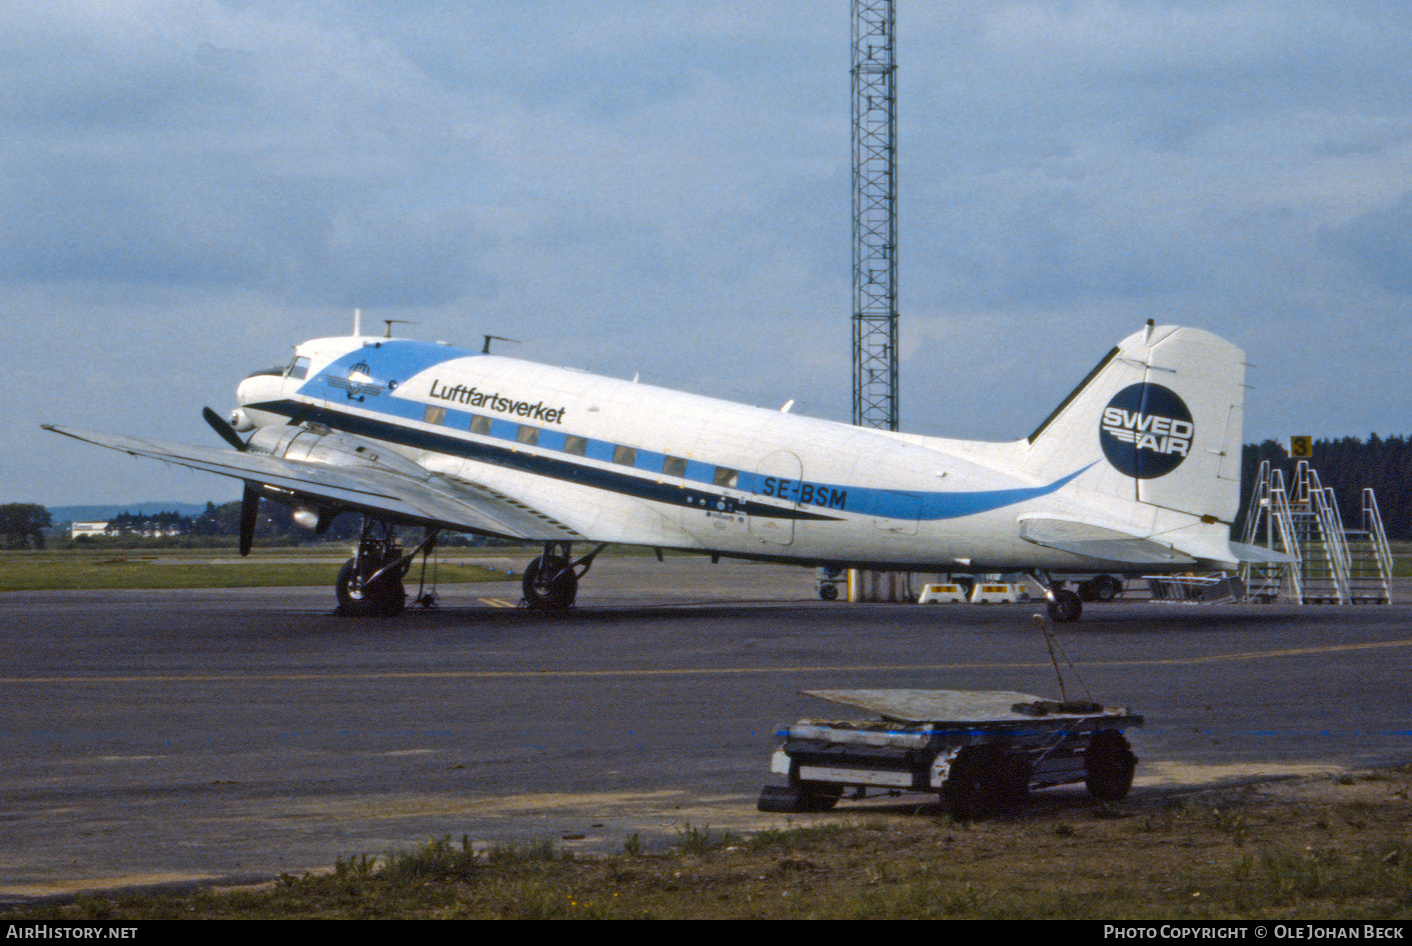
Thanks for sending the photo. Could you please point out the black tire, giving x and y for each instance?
(553, 594)
(813, 796)
(778, 798)
(1103, 589)
(819, 796)
(828, 592)
(383, 599)
(1109, 764)
(798, 799)
(1065, 607)
(976, 786)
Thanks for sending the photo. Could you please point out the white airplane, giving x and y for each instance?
(1137, 471)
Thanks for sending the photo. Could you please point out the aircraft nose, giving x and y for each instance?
(261, 386)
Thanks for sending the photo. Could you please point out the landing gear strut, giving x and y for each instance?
(551, 582)
(370, 583)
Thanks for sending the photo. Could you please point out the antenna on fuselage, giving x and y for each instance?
(387, 332)
(357, 322)
(485, 349)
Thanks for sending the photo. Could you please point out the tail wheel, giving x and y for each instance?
(1110, 765)
(1065, 606)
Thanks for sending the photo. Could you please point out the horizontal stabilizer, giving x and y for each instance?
(1254, 553)
(1096, 542)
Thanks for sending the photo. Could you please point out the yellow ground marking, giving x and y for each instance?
(497, 602)
(695, 671)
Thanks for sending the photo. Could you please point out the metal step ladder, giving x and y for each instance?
(1334, 565)
(1370, 557)
(1269, 524)
(1318, 531)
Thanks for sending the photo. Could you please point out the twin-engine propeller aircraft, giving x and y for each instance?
(1138, 470)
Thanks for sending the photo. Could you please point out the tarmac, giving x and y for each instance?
(192, 737)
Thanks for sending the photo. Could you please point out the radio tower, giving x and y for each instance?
(874, 215)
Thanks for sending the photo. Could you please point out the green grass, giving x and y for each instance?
(108, 570)
(1264, 856)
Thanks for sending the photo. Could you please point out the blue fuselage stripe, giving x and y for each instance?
(696, 486)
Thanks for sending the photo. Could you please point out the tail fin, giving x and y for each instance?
(1157, 421)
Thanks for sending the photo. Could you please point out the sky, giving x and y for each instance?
(188, 188)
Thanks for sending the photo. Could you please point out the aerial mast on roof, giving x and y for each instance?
(874, 215)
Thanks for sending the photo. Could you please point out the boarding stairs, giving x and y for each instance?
(1370, 557)
(1269, 524)
(1334, 565)
(1319, 533)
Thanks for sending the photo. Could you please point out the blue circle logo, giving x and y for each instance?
(1146, 431)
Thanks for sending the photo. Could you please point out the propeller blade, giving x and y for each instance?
(221, 426)
(249, 511)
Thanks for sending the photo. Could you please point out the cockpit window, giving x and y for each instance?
(298, 368)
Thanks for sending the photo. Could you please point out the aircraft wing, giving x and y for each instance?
(433, 501)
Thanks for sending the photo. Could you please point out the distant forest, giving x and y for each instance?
(1348, 466)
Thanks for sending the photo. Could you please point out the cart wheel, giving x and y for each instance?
(1110, 763)
(976, 785)
(819, 796)
(828, 592)
(778, 798)
(1015, 780)
(813, 796)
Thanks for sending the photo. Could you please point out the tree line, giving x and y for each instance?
(1348, 465)
(22, 525)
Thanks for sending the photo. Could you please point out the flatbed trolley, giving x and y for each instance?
(981, 751)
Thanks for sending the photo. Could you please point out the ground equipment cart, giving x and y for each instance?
(982, 751)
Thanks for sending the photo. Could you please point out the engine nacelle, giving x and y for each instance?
(341, 450)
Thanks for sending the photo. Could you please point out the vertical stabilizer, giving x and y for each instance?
(1158, 421)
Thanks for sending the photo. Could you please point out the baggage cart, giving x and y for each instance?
(980, 751)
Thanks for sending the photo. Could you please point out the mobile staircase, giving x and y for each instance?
(1333, 565)
(1269, 524)
(1370, 557)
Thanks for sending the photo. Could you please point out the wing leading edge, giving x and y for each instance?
(434, 501)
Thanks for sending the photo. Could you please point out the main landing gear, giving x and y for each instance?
(370, 583)
(551, 582)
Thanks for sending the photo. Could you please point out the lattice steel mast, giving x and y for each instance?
(874, 215)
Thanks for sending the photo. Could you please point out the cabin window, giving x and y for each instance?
(434, 415)
(528, 435)
(575, 445)
(480, 424)
(725, 477)
(674, 466)
(627, 456)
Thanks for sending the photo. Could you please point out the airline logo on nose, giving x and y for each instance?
(1146, 431)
